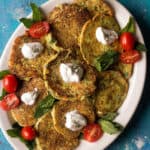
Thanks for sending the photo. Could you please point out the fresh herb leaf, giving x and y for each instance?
(140, 47)
(44, 106)
(81, 136)
(110, 116)
(37, 14)
(13, 133)
(29, 144)
(106, 60)
(3, 94)
(130, 27)
(27, 22)
(110, 127)
(3, 73)
(16, 126)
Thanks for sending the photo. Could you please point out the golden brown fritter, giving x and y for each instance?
(125, 69)
(72, 90)
(90, 47)
(66, 23)
(49, 139)
(28, 68)
(111, 92)
(96, 6)
(24, 114)
(84, 107)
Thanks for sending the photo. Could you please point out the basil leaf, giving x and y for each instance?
(44, 106)
(106, 60)
(110, 127)
(13, 133)
(130, 27)
(16, 126)
(27, 22)
(110, 116)
(4, 93)
(37, 14)
(140, 47)
(3, 73)
(29, 144)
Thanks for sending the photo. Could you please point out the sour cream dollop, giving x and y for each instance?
(106, 36)
(75, 121)
(29, 98)
(71, 72)
(31, 50)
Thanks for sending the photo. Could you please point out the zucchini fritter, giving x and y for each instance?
(72, 90)
(49, 139)
(66, 22)
(125, 69)
(28, 68)
(96, 7)
(60, 109)
(90, 47)
(111, 92)
(24, 114)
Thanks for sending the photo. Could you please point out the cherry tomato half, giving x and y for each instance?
(127, 41)
(9, 102)
(39, 29)
(92, 132)
(130, 57)
(28, 133)
(10, 83)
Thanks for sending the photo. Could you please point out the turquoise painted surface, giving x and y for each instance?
(137, 135)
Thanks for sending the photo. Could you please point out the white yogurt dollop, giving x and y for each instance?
(31, 50)
(106, 36)
(75, 121)
(29, 98)
(71, 72)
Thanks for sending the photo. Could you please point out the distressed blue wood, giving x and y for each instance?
(139, 127)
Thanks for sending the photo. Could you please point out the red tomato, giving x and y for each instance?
(10, 83)
(127, 41)
(9, 102)
(39, 29)
(92, 132)
(130, 57)
(28, 133)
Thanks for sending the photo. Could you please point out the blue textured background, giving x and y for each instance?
(139, 127)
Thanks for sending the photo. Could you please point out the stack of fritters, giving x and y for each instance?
(98, 93)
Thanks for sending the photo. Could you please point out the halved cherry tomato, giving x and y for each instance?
(28, 133)
(9, 102)
(130, 57)
(92, 132)
(39, 29)
(127, 41)
(10, 83)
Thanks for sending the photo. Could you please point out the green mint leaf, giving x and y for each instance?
(4, 93)
(44, 106)
(110, 116)
(106, 60)
(13, 133)
(110, 127)
(3, 73)
(27, 22)
(37, 14)
(140, 47)
(130, 27)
